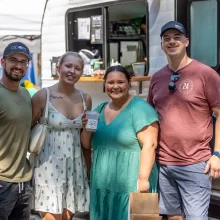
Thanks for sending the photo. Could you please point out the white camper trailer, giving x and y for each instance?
(60, 34)
(62, 18)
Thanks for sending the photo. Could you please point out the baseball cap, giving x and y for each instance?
(17, 47)
(173, 25)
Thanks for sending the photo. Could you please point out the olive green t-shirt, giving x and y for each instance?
(15, 126)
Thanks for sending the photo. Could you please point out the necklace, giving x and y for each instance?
(8, 88)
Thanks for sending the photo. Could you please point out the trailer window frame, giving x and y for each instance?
(104, 6)
(216, 66)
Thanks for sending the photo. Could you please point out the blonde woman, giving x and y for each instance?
(61, 184)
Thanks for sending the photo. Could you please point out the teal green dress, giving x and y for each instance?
(116, 160)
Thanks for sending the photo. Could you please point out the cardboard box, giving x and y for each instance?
(144, 206)
(145, 217)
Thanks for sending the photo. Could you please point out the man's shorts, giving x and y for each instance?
(15, 200)
(184, 189)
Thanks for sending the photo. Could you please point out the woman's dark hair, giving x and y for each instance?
(118, 68)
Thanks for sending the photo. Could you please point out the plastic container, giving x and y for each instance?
(139, 68)
(93, 118)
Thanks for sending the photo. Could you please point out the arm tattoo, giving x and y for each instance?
(56, 97)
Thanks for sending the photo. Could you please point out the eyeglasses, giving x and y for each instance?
(174, 77)
(14, 62)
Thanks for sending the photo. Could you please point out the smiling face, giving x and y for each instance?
(174, 43)
(15, 66)
(70, 69)
(117, 85)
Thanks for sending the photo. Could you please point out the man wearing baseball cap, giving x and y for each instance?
(15, 126)
(185, 92)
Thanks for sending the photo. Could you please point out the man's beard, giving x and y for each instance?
(13, 78)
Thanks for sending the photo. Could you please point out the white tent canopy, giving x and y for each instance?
(21, 20)
(21, 17)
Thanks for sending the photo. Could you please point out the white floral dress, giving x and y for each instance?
(60, 179)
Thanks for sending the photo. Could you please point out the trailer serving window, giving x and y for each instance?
(113, 30)
(127, 32)
(204, 34)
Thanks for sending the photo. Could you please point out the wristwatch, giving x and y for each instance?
(216, 153)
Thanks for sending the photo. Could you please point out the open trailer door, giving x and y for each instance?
(203, 27)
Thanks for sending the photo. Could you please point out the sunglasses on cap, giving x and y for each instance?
(173, 78)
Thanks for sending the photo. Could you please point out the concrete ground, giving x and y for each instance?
(84, 217)
(81, 216)
(78, 216)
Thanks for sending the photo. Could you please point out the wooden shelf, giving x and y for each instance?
(96, 79)
(90, 79)
(140, 78)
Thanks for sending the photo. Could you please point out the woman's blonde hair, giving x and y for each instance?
(74, 54)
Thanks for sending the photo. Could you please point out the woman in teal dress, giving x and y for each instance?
(123, 149)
